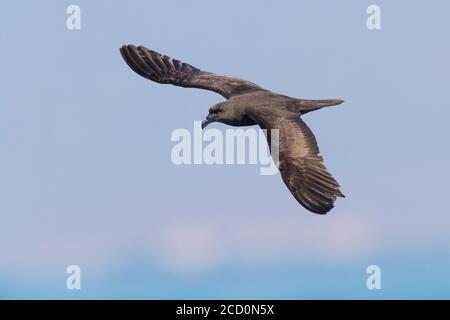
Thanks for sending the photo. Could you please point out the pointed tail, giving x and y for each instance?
(306, 106)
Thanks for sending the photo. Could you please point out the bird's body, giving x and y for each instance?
(260, 99)
(248, 104)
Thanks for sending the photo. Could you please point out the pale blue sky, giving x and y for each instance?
(85, 147)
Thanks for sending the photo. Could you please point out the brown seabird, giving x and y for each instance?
(247, 104)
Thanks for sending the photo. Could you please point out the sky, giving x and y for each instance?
(87, 178)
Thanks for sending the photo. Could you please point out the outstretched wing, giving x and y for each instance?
(163, 69)
(300, 164)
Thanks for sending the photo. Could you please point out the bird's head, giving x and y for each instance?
(217, 113)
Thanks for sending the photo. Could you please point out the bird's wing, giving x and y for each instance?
(163, 69)
(300, 164)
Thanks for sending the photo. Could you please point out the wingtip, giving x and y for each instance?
(123, 49)
(127, 46)
(322, 211)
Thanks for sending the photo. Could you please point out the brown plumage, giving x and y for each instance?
(300, 164)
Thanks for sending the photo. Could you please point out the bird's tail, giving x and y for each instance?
(306, 106)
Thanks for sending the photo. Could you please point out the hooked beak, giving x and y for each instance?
(208, 120)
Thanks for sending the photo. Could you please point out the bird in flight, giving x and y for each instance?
(247, 104)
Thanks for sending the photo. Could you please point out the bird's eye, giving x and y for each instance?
(215, 111)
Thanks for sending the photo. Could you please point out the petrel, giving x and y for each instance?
(247, 104)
